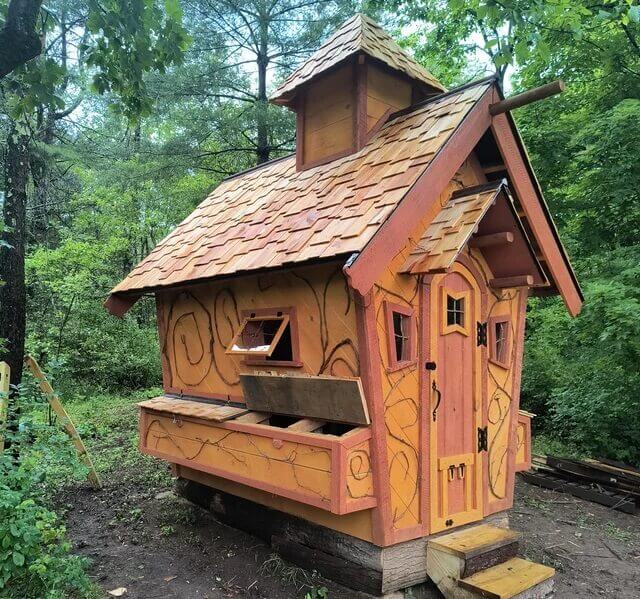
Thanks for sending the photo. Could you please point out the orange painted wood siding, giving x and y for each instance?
(197, 323)
(404, 412)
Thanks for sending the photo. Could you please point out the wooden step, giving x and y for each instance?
(478, 547)
(514, 578)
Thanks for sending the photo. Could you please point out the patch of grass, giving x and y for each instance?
(108, 424)
(547, 445)
(611, 530)
(289, 574)
(541, 506)
(166, 530)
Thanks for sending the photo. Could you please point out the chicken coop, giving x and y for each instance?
(342, 329)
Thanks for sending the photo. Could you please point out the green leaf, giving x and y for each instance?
(18, 558)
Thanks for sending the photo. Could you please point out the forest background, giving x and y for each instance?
(136, 109)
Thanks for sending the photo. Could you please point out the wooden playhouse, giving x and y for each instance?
(342, 329)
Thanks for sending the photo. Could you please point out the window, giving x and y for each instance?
(455, 312)
(400, 335)
(499, 340)
(268, 337)
(259, 336)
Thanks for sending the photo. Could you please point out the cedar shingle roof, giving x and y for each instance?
(275, 215)
(450, 230)
(358, 34)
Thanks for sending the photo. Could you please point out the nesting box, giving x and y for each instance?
(342, 329)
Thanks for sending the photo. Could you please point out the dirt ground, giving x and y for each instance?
(158, 546)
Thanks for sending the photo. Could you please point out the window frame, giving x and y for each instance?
(261, 360)
(494, 358)
(393, 363)
(455, 328)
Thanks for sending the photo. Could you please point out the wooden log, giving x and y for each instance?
(5, 374)
(517, 281)
(65, 419)
(532, 95)
(483, 241)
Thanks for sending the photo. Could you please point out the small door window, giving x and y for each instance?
(455, 312)
(400, 335)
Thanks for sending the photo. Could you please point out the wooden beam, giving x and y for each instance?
(483, 241)
(527, 190)
(517, 281)
(65, 419)
(532, 95)
(306, 425)
(493, 168)
(253, 417)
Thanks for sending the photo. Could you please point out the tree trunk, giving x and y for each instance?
(19, 41)
(262, 104)
(13, 291)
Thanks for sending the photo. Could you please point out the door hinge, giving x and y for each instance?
(482, 333)
(483, 444)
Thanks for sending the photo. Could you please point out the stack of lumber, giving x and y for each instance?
(603, 481)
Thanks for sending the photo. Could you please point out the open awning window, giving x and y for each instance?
(258, 335)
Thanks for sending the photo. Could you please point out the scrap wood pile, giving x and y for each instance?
(603, 481)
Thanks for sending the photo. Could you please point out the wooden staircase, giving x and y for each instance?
(481, 561)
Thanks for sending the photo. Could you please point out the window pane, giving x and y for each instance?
(283, 351)
(455, 311)
(401, 336)
(501, 331)
(258, 336)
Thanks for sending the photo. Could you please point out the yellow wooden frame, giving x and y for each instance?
(454, 328)
(270, 349)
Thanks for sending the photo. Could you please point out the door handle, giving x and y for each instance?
(439, 394)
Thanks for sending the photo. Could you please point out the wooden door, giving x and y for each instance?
(455, 401)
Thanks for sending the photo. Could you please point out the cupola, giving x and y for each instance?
(348, 88)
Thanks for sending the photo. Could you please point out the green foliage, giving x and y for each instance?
(581, 375)
(35, 559)
(131, 37)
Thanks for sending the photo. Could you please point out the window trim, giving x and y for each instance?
(393, 363)
(290, 312)
(456, 295)
(493, 348)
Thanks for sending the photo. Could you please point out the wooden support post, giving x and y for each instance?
(5, 373)
(483, 241)
(67, 423)
(532, 95)
(517, 281)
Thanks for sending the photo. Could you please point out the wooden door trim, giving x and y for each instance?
(461, 267)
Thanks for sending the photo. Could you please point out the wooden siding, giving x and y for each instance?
(385, 91)
(405, 415)
(328, 116)
(196, 324)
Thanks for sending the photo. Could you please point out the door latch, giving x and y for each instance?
(483, 444)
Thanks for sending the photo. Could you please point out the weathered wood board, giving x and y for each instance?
(196, 409)
(316, 397)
